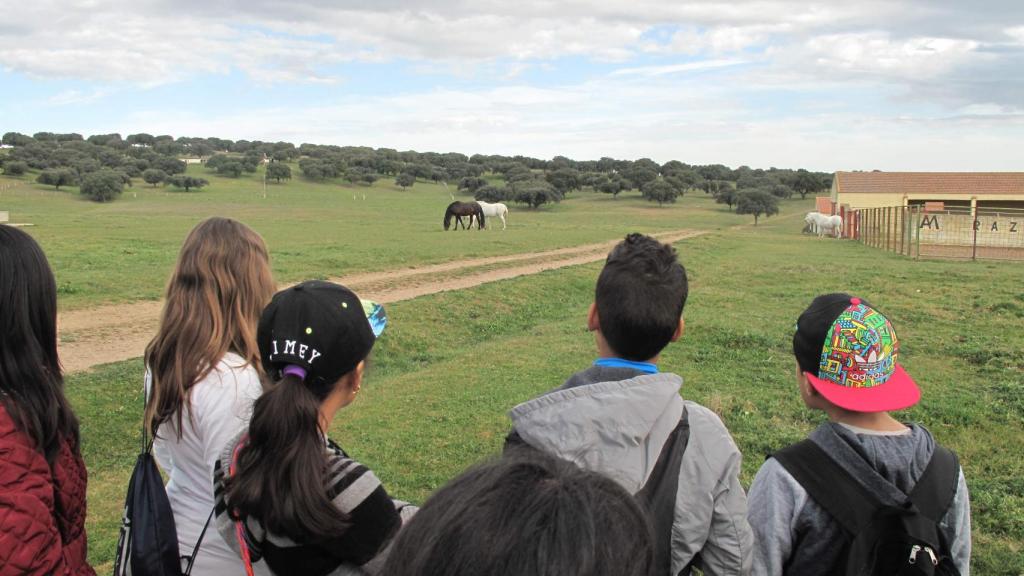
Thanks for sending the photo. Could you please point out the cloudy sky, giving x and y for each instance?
(892, 85)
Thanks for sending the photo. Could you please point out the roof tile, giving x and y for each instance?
(975, 183)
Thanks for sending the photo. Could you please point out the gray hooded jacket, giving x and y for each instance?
(615, 421)
(797, 537)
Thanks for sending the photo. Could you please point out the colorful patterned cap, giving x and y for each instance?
(858, 369)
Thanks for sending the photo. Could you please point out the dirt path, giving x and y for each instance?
(119, 332)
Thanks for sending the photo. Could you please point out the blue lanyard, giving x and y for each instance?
(645, 367)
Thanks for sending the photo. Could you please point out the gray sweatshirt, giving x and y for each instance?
(615, 421)
(796, 537)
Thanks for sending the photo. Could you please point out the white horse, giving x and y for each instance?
(496, 210)
(822, 224)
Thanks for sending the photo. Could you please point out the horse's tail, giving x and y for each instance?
(447, 218)
(480, 214)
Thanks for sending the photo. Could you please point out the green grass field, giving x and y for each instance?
(124, 250)
(451, 364)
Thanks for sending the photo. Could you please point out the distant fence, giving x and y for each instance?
(948, 232)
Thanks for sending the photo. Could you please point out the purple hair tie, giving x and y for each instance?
(294, 370)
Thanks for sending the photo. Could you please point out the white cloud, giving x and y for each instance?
(160, 40)
(677, 68)
(1017, 33)
(69, 97)
(878, 53)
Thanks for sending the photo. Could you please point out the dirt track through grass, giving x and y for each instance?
(119, 332)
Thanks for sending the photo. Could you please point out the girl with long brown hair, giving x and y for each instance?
(42, 475)
(203, 372)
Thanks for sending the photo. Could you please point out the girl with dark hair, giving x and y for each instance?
(42, 475)
(203, 372)
(527, 513)
(287, 497)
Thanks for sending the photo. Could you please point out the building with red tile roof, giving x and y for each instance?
(878, 189)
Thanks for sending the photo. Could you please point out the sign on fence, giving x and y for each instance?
(952, 232)
(997, 229)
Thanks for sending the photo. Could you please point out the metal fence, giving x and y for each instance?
(949, 232)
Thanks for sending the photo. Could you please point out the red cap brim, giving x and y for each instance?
(897, 393)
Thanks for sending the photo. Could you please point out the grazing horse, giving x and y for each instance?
(822, 223)
(496, 210)
(460, 209)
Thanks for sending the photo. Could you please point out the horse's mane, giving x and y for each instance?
(448, 214)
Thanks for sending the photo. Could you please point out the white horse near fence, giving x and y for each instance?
(496, 210)
(824, 224)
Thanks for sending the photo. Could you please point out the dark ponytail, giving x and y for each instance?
(279, 479)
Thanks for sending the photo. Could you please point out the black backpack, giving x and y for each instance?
(148, 542)
(887, 540)
(658, 495)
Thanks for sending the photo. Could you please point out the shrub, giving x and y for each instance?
(15, 168)
(103, 185)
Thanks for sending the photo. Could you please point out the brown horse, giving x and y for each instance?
(460, 209)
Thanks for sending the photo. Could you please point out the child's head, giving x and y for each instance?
(223, 277)
(219, 286)
(846, 350)
(640, 297)
(527, 513)
(31, 385)
(318, 331)
(313, 340)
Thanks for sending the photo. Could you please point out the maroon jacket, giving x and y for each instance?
(42, 509)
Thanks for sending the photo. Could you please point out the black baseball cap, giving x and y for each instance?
(318, 329)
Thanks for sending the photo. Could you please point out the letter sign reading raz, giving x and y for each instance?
(997, 230)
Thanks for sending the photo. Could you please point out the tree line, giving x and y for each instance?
(101, 165)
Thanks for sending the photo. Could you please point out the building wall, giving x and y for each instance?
(876, 200)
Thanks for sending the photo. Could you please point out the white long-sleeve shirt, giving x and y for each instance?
(221, 406)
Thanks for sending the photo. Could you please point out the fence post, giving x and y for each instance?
(903, 230)
(974, 227)
(892, 228)
(881, 228)
(885, 229)
(871, 227)
(888, 228)
(901, 220)
(874, 227)
(878, 228)
(917, 232)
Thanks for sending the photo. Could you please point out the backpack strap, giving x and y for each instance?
(147, 443)
(195, 551)
(829, 484)
(935, 489)
(513, 442)
(658, 494)
(243, 546)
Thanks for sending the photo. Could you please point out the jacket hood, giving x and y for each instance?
(615, 427)
(888, 466)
